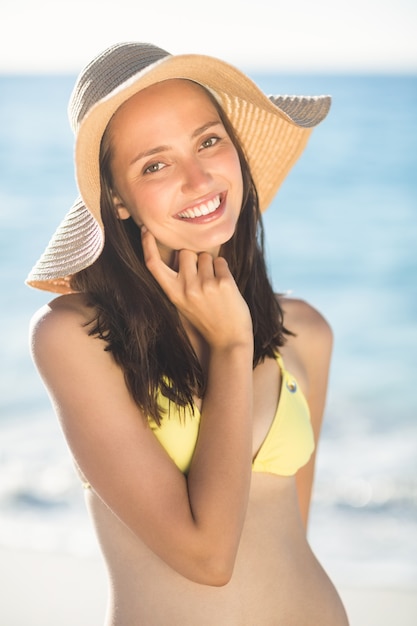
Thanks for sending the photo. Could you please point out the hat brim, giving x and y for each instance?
(273, 132)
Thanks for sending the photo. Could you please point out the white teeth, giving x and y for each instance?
(202, 209)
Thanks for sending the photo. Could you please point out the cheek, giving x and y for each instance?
(142, 204)
(152, 207)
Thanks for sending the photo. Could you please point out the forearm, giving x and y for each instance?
(212, 500)
(219, 478)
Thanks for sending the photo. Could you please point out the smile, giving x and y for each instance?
(203, 209)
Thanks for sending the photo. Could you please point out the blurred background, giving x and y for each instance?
(341, 233)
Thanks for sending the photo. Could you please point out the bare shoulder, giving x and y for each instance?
(309, 326)
(63, 309)
(59, 323)
(302, 314)
(308, 350)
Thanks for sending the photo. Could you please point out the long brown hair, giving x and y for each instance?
(139, 324)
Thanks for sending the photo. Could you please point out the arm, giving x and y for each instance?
(311, 348)
(208, 299)
(193, 523)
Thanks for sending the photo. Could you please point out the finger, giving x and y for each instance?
(187, 264)
(205, 266)
(221, 268)
(159, 270)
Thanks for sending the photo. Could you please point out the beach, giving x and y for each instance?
(41, 589)
(341, 234)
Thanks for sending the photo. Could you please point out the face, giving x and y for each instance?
(175, 168)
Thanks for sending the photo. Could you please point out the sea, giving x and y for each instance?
(341, 234)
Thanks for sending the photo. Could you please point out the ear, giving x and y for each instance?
(121, 210)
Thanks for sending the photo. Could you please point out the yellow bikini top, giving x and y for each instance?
(287, 446)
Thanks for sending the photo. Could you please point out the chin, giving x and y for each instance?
(217, 242)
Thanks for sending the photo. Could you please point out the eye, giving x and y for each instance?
(154, 167)
(210, 141)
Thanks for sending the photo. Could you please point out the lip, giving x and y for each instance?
(204, 219)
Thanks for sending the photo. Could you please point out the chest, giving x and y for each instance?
(282, 434)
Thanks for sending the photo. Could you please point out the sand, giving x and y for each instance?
(41, 589)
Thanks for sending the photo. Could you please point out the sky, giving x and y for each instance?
(305, 35)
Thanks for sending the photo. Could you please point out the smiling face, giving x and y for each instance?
(175, 168)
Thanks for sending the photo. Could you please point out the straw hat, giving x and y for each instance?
(273, 132)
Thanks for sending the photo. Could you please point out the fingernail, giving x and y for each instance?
(143, 229)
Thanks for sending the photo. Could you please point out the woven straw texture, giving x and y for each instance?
(273, 131)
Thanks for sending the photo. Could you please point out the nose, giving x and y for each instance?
(196, 175)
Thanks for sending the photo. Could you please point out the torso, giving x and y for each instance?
(277, 580)
(283, 439)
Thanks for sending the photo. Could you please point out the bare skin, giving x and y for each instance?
(271, 577)
(220, 546)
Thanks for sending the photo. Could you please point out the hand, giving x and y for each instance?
(205, 293)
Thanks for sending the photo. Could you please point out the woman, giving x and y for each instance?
(167, 356)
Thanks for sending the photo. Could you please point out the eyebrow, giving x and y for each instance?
(157, 149)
